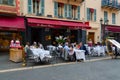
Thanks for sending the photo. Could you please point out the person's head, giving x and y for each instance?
(70, 46)
(90, 39)
(27, 43)
(80, 43)
(34, 43)
(66, 43)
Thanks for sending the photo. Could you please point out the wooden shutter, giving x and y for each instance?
(55, 9)
(65, 10)
(42, 6)
(29, 6)
(88, 14)
(105, 15)
(70, 11)
(78, 12)
(94, 14)
(113, 18)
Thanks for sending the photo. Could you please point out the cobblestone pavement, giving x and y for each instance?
(5, 63)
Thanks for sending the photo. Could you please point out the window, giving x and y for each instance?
(5, 1)
(74, 11)
(60, 10)
(91, 14)
(36, 7)
(105, 16)
(66, 10)
(113, 18)
(8, 2)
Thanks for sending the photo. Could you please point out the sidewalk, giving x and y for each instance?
(5, 63)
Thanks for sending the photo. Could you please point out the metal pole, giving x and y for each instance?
(100, 32)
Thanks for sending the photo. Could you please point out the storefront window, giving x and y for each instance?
(6, 37)
(8, 2)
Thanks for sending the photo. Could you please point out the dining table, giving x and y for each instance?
(80, 54)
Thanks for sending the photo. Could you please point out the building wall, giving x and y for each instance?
(49, 7)
(96, 4)
(8, 9)
(100, 14)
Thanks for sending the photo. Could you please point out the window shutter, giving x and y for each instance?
(65, 10)
(55, 9)
(78, 12)
(105, 15)
(113, 18)
(29, 6)
(0, 1)
(88, 14)
(42, 7)
(70, 11)
(94, 14)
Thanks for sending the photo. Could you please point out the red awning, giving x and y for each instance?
(56, 23)
(113, 28)
(12, 23)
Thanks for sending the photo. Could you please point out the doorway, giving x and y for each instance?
(91, 35)
(36, 35)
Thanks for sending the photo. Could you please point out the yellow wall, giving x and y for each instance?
(96, 4)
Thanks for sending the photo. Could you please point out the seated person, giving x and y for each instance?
(60, 49)
(34, 45)
(66, 47)
(83, 47)
(27, 46)
(40, 45)
(71, 53)
(28, 52)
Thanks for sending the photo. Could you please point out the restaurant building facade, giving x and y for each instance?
(79, 11)
(43, 20)
(11, 24)
(48, 19)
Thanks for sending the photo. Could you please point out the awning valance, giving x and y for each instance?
(12, 23)
(56, 23)
(113, 28)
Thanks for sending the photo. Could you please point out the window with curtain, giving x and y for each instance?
(8, 2)
(60, 10)
(113, 18)
(74, 11)
(91, 14)
(66, 10)
(36, 7)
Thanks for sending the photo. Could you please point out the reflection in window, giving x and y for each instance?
(8, 2)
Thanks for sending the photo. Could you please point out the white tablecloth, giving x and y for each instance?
(80, 54)
(41, 53)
